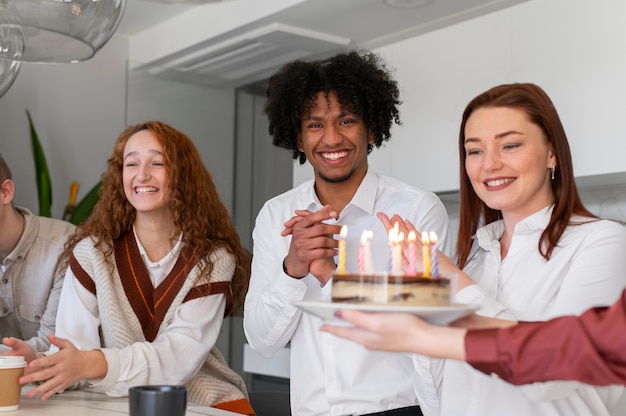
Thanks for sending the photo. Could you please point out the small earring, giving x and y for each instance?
(552, 170)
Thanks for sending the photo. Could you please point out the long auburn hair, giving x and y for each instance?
(540, 110)
(195, 206)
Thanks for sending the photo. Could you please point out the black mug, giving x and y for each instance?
(157, 401)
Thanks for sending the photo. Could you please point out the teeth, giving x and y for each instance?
(499, 182)
(146, 190)
(335, 155)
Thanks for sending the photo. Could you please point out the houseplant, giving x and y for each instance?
(75, 213)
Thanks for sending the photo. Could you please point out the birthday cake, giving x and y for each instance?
(391, 289)
(397, 287)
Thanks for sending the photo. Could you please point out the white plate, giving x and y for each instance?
(438, 315)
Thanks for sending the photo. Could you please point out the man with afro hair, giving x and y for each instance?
(332, 113)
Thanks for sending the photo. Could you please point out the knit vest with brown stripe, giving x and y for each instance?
(131, 310)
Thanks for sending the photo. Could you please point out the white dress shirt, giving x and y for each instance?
(191, 334)
(330, 375)
(587, 268)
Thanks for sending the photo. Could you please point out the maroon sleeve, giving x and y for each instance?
(590, 348)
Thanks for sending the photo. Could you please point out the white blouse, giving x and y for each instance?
(587, 268)
(192, 333)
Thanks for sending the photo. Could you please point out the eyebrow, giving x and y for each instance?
(498, 136)
(340, 115)
(135, 152)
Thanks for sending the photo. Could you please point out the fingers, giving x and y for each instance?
(306, 218)
(60, 342)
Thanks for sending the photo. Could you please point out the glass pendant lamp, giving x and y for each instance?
(188, 2)
(11, 44)
(8, 73)
(59, 31)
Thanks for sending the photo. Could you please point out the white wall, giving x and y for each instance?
(206, 115)
(78, 111)
(574, 49)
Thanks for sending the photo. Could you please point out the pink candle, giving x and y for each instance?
(412, 270)
(365, 253)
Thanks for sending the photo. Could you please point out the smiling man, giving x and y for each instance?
(332, 113)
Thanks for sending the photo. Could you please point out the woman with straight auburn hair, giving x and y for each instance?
(527, 250)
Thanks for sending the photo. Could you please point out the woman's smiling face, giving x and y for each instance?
(508, 161)
(146, 180)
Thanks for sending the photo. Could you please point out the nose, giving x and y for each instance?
(143, 173)
(332, 136)
(492, 160)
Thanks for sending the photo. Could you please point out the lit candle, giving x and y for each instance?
(341, 268)
(434, 256)
(365, 253)
(361, 256)
(412, 271)
(395, 250)
(426, 253)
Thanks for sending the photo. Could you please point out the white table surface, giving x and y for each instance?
(86, 403)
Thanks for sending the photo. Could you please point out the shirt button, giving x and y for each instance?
(494, 375)
(37, 317)
(5, 310)
(5, 281)
(19, 257)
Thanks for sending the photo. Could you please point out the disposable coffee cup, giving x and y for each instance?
(157, 401)
(11, 369)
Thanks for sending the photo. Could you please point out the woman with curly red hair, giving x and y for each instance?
(151, 275)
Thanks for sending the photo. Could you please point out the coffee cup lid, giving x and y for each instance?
(12, 361)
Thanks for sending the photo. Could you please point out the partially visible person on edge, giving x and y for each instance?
(539, 253)
(590, 348)
(331, 113)
(30, 274)
(151, 275)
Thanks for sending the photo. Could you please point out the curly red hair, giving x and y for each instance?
(195, 206)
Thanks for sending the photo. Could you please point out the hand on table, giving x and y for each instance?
(60, 370)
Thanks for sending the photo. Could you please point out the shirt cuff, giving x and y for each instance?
(481, 351)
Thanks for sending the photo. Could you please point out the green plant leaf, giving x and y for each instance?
(85, 206)
(44, 184)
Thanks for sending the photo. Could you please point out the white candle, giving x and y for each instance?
(395, 250)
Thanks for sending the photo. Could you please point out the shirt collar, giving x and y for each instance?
(167, 261)
(534, 222)
(364, 198)
(27, 239)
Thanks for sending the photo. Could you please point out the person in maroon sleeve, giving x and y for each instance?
(590, 348)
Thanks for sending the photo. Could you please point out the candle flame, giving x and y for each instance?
(367, 235)
(433, 237)
(412, 236)
(344, 231)
(425, 238)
